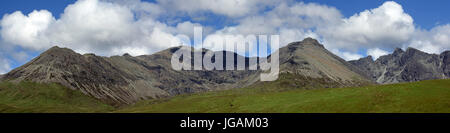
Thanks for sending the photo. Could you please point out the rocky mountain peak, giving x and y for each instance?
(398, 51)
(368, 59)
(55, 50)
(311, 41)
(406, 66)
(126, 55)
(306, 42)
(412, 51)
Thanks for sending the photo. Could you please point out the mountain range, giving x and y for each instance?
(126, 79)
(405, 66)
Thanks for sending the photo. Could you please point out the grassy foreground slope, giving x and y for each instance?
(425, 96)
(31, 97)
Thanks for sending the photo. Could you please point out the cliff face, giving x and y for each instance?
(445, 66)
(405, 66)
(127, 79)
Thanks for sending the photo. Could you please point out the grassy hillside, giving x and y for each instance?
(278, 96)
(33, 97)
(424, 96)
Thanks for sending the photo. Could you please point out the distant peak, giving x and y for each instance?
(410, 49)
(126, 55)
(56, 49)
(310, 40)
(398, 50)
(368, 58)
(307, 41)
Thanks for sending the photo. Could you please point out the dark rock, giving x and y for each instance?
(405, 66)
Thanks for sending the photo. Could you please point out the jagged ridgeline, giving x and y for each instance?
(126, 79)
(406, 66)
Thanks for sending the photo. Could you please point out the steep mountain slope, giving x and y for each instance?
(122, 79)
(127, 79)
(309, 58)
(405, 66)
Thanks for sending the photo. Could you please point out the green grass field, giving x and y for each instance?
(425, 96)
(28, 97)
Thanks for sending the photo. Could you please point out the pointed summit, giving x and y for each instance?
(126, 55)
(58, 51)
(398, 50)
(306, 41)
(410, 49)
(312, 41)
(368, 58)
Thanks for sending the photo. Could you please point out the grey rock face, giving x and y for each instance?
(445, 64)
(127, 79)
(405, 66)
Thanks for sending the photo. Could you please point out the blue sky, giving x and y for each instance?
(342, 26)
(426, 13)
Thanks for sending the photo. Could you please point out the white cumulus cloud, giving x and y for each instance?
(387, 26)
(90, 26)
(376, 52)
(435, 40)
(292, 21)
(26, 31)
(346, 55)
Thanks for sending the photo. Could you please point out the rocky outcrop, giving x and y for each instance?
(405, 66)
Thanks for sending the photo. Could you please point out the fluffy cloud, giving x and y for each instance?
(346, 55)
(376, 52)
(385, 27)
(434, 41)
(90, 26)
(292, 21)
(26, 31)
